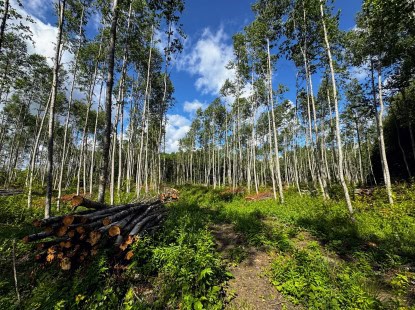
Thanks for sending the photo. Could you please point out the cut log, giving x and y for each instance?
(56, 219)
(116, 227)
(50, 257)
(94, 237)
(129, 240)
(122, 214)
(123, 244)
(140, 225)
(81, 234)
(61, 231)
(38, 236)
(114, 230)
(46, 244)
(10, 192)
(118, 241)
(78, 201)
(149, 210)
(129, 255)
(65, 263)
(68, 220)
(65, 244)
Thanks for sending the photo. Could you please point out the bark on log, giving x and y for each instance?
(82, 233)
(38, 236)
(120, 215)
(78, 201)
(57, 219)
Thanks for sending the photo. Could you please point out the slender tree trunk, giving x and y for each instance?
(277, 157)
(359, 145)
(379, 123)
(370, 160)
(271, 161)
(103, 179)
(68, 113)
(3, 22)
(114, 147)
(144, 120)
(336, 109)
(91, 172)
(48, 202)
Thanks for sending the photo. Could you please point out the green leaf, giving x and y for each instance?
(198, 305)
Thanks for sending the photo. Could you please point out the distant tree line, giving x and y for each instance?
(342, 131)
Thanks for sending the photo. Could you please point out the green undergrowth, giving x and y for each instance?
(176, 268)
(322, 259)
(325, 260)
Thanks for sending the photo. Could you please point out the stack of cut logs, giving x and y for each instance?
(71, 238)
(10, 192)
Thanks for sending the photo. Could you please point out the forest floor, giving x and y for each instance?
(250, 289)
(216, 250)
(309, 254)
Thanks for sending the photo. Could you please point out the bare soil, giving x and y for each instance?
(250, 288)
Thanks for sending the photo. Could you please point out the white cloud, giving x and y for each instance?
(359, 73)
(207, 60)
(176, 128)
(44, 34)
(192, 107)
(38, 8)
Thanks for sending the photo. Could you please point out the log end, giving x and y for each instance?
(129, 255)
(65, 263)
(50, 257)
(106, 221)
(94, 237)
(76, 201)
(127, 242)
(114, 231)
(68, 220)
(80, 230)
(61, 231)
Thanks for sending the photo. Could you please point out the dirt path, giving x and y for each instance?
(250, 289)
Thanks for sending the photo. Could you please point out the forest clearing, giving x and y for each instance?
(168, 155)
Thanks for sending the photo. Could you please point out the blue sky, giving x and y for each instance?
(199, 71)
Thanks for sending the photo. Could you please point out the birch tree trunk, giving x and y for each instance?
(336, 109)
(91, 171)
(382, 139)
(48, 201)
(68, 113)
(144, 122)
(277, 157)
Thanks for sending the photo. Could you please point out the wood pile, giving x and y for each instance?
(364, 191)
(260, 196)
(69, 239)
(10, 192)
